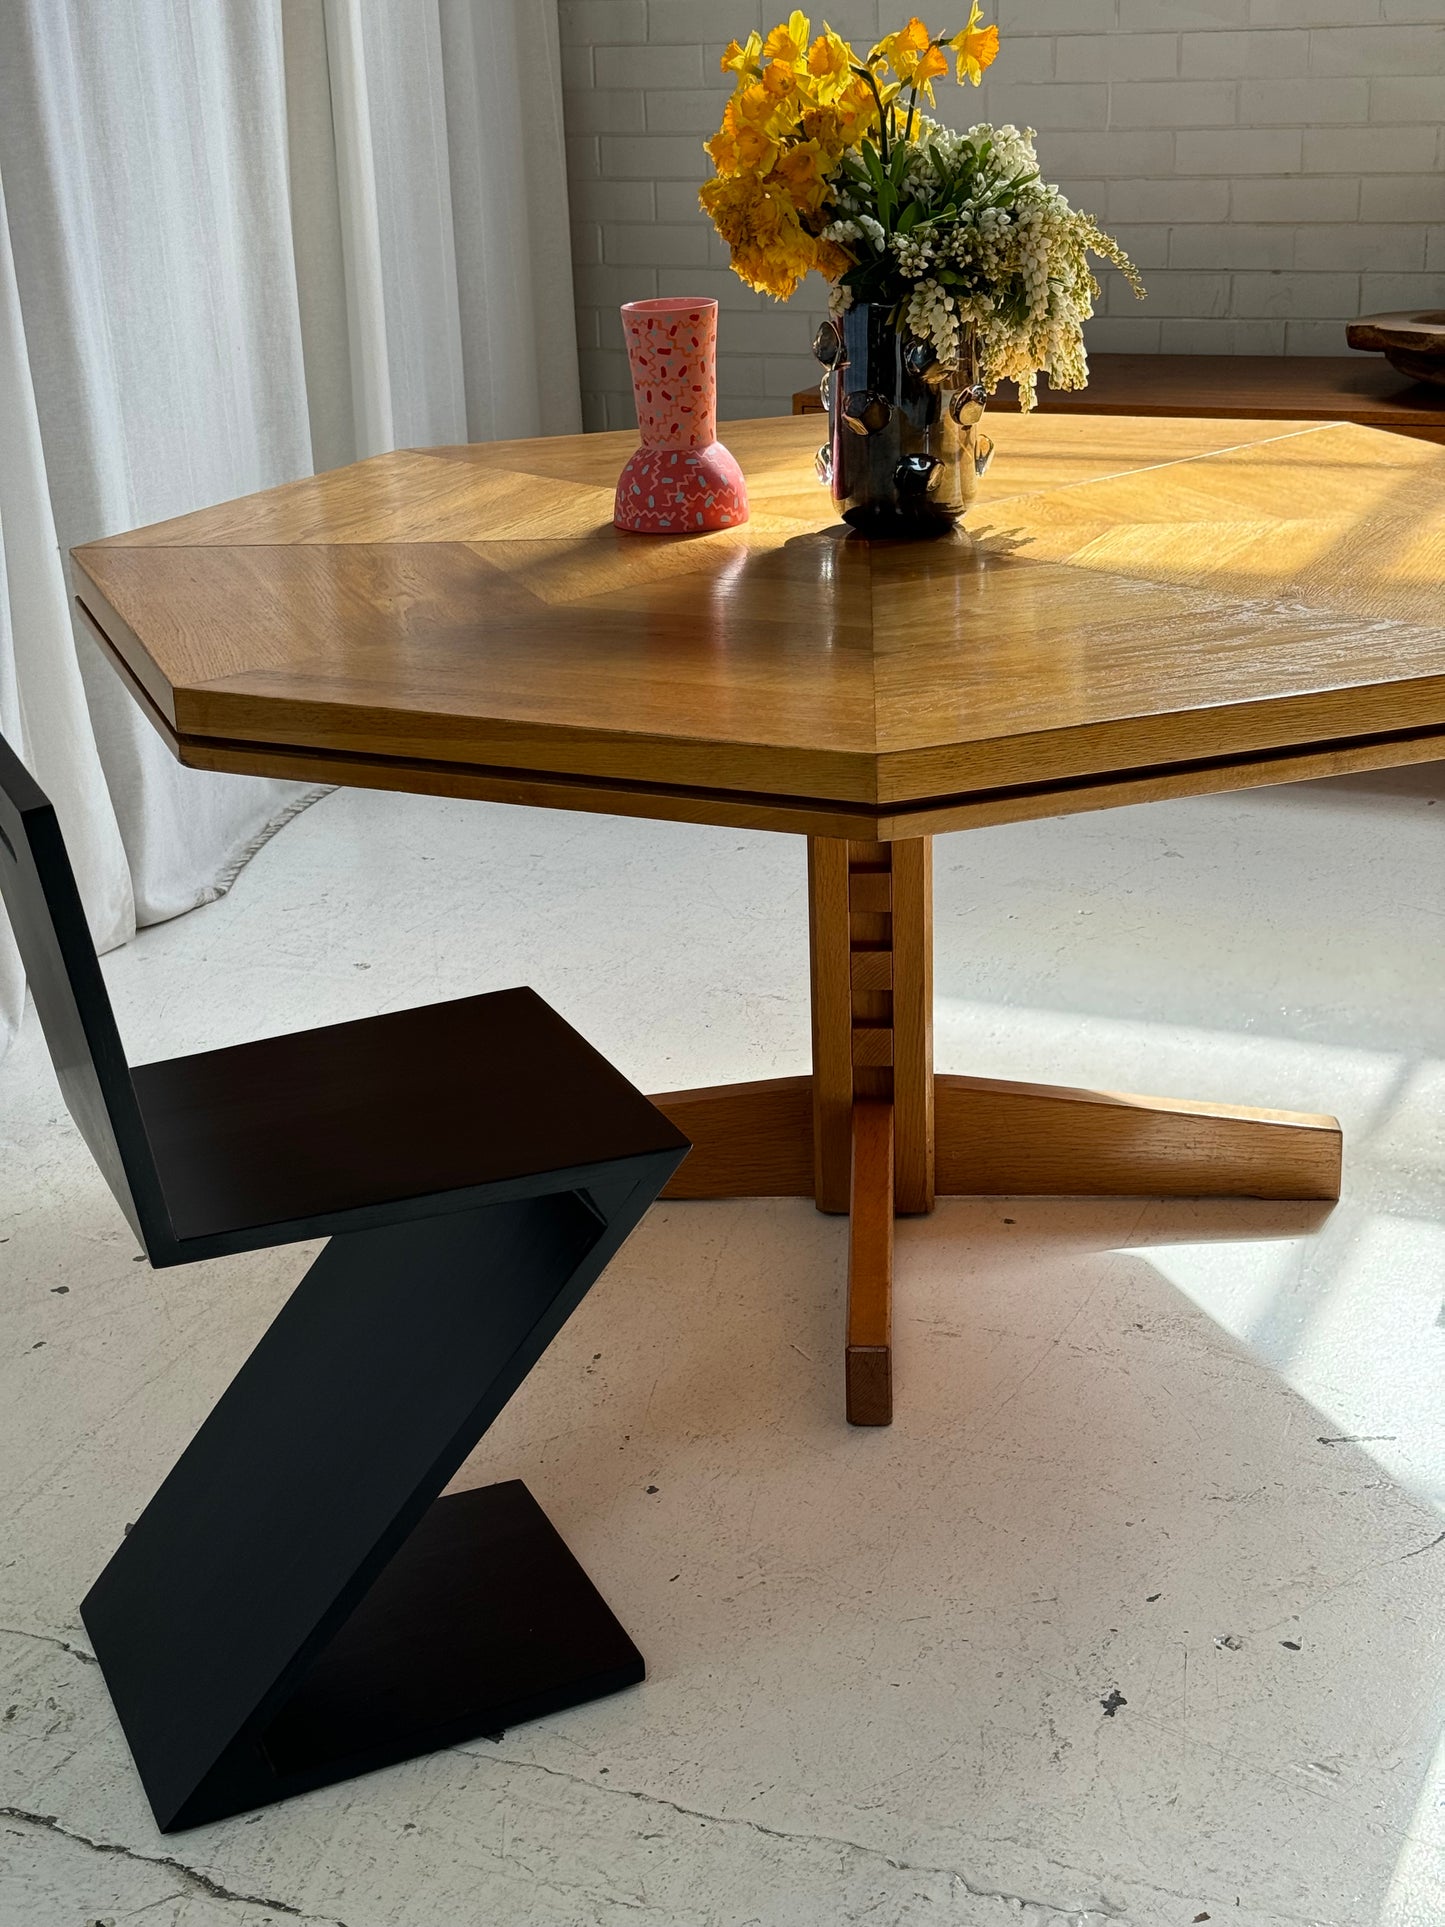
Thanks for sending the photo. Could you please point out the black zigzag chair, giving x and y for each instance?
(297, 1604)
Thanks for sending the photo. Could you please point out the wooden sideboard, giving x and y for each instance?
(1297, 388)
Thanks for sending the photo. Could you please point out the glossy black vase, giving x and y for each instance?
(904, 452)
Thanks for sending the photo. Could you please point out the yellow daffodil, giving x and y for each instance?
(904, 49)
(742, 144)
(976, 48)
(799, 169)
(771, 250)
(796, 110)
(745, 59)
(788, 43)
(830, 66)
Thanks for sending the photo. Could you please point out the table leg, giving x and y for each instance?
(874, 1131)
(868, 1353)
(871, 945)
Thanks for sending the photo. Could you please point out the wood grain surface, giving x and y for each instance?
(868, 1352)
(1003, 1139)
(1136, 606)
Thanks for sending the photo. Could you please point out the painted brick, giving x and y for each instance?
(654, 157)
(1381, 292)
(1168, 200)
(1309, 13)
(1122, 335)
(577, 68)
(660, 245)
(600, 22)
(1105, 153)
(615, 200)
(1222, 337)
(774, 331)
(1316, 337)
(1173, 103)
(1286, 296)
(1410, 197)
(691, 22)
(753, 408)
(1362, 245)
(1412, 97)
(1297, 200)
(1116, 56)
(1304, 103)
(785, 374)
(1019, 17)
(1370, 150)
(603, 112)
(1171, 293)
(1025, 60)
(1378, 50)
(1252, 150)
(1051, 104)
(1227, 56)
(677, 200)
(1149, 16)
(1235, 244)
(685, 111)
(604, 368)
(1147, 247)
(720, 283)
(1091, 196)
(582, 158)
(737, 374)
(651, 66)
(608, 287)
(586, 241)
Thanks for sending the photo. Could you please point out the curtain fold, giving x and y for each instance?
(240, 242)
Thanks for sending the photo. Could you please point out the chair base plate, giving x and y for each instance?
(482, 1620)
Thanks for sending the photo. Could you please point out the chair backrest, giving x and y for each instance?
(37, 886)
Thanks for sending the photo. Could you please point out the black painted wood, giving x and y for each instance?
(297, 1603)
(38, 890)
(328, 1129)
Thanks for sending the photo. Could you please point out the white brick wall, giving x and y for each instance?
(1276, 167)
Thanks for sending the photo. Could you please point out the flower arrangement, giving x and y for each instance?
(828, 161)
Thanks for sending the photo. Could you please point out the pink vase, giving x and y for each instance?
(682, 479)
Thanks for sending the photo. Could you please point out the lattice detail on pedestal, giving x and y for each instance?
(870, 967)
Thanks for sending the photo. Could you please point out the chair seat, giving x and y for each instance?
(296, 1131)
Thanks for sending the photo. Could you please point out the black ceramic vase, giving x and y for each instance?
(904, 452)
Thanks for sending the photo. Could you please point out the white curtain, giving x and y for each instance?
(240, 239)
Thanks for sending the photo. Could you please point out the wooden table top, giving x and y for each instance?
(1136, 608)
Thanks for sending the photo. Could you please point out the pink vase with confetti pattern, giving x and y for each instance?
(682, 479)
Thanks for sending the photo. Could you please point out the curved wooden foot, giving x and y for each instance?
(998, 1139)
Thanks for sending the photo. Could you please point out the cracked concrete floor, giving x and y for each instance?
(1134, 1613)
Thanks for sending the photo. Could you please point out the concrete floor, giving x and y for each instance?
(1178, 1458)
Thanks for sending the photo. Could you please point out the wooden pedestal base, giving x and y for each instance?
(875, 1131)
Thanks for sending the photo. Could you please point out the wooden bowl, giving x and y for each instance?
(1414, 342)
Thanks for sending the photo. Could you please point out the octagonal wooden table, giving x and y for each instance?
(1137, 609)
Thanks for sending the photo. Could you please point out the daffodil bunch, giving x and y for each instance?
(828, 161)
